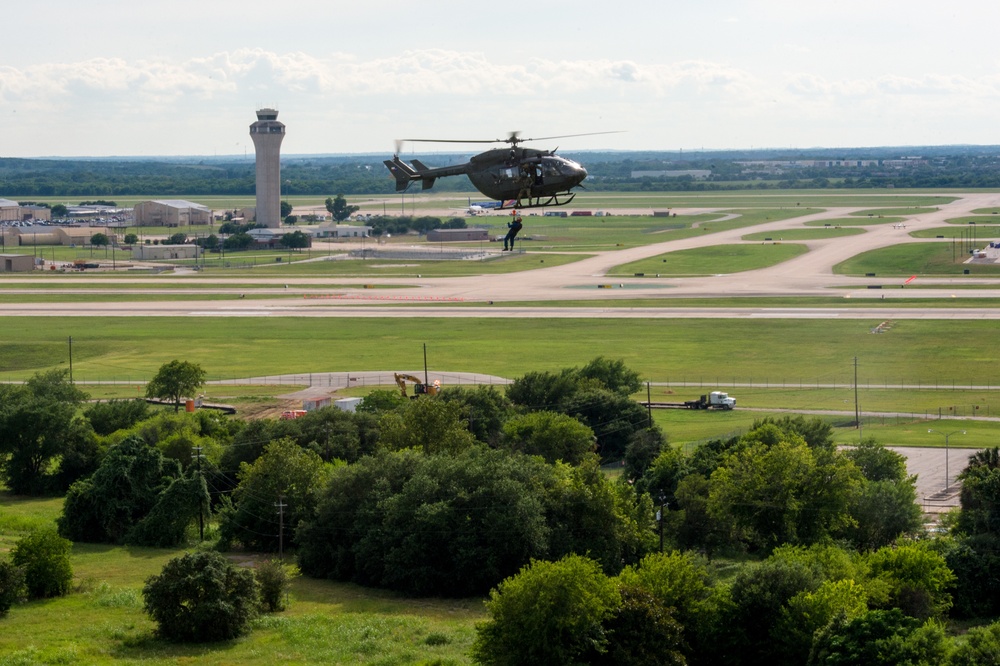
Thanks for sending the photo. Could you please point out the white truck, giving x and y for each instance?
(714, 400)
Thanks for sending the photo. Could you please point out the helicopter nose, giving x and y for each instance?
(579, 174)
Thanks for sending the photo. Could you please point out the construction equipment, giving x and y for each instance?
(419, 387)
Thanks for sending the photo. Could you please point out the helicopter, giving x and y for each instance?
(517, 177)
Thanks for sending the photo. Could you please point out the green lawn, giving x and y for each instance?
(914, 259)
(102, 621)
(803, 234)
(854, 221)
(713, 260)
(981, 232)
(898, 211)
(774, 350)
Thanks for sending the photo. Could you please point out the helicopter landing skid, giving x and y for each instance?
(538, 202)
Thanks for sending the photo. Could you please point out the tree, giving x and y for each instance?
(876, 462)
(339, 209)
(450, 525)
(780, 490)
(59, 210)
(286, 209)
(295, 240)
(485, 408)
(105, 507)
(678, 581)
(549, 613)
(175, 380)
(917, 579)
(980, 647)
(643, 448)
(130, 239)
(550, 435)
(238, 241)
(883, 511)
(879, 638)
(434, 426)
(641, 632)
(38, 426)
(116, 414)
(286, 473)
(381, 400)
(613, 375)
(44, 556)
(201, 597)
(99, 239)
(178, 238)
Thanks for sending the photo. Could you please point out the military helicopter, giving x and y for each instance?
(517, 177)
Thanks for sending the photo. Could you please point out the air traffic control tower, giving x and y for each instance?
(267, 134)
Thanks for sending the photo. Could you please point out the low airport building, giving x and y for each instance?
(330, 230)
(16, 263)
(171, 213)
(12, 211)
(161, 252)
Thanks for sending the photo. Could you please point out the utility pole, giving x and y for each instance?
(281, 527)
(649, 405)
(201, 515)
(857, 411)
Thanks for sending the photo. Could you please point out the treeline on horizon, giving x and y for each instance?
(941, 167)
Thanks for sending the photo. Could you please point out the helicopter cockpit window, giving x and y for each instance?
(551, 169)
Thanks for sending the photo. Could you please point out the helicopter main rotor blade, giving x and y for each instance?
(566, 136)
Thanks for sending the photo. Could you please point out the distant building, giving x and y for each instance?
(697, 174)
(51, 235)
(16, 263)
(333, 230)
(267, 134)
(160, 252)
(454, 235)
(9, 211)
(171, 213)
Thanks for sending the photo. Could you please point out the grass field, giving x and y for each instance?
(803, 234)
(778, 351)
(854, 221)
(733, 258)
(915, 258)
(102, 620)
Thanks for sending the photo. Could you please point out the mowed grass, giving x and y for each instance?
(854, 221)
(981, 233)
(899, 211)
(774, 350)
(713, 260)
(102, 620)
(803, 234)
(914, 259)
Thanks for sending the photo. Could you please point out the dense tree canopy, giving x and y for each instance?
(39, 428)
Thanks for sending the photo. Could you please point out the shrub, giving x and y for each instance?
(44, 556)
(201, 597)
(273, 579)
(11, 586)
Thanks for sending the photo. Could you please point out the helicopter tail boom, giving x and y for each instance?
(402, 172)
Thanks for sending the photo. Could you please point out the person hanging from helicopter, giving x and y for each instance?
(513, 227)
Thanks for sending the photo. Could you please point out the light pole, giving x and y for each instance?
(947, 451)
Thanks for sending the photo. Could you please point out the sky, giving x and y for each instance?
(152, 78)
